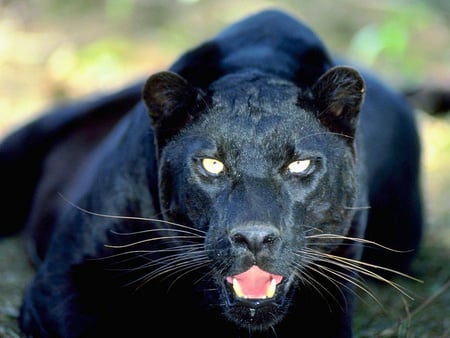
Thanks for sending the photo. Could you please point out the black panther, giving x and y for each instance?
(240, 193)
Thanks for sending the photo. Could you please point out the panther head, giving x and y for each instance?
(266, 171)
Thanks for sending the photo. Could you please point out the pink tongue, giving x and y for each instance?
(254, 282)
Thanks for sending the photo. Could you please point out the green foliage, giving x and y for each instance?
(393, 39)
(119, 9)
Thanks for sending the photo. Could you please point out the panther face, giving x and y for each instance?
(263, 170)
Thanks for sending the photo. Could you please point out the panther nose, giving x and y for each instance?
(255, 237)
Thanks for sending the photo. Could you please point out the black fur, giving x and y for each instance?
(255, 150)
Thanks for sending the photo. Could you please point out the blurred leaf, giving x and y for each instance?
(393, 39)
(366, 44)
(118, 10)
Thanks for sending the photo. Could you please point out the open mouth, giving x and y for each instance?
(255, 284)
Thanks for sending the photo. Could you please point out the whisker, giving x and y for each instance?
(351, 279)
(398, 273)
(148, 240)
(314, 283)
(326, 133)
(146, 231)
(359, 240)
(188, 267)
(355, 265)
(141, 253)
(164, 262)
(131, 218)
(205, 275)
(358, 208)
(354, 280)
(311, 228)
(182, 263)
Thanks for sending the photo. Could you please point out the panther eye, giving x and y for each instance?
(299, 166)
(212, 166)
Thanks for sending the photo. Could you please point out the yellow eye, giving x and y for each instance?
(212, 166)
(299, 167)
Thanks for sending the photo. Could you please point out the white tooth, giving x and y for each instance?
(237, 288)
(271, 289)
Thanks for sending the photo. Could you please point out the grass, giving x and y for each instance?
(427, 315)
(15, 273)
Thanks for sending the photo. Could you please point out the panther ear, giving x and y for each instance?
(171, 102)
(338, 95)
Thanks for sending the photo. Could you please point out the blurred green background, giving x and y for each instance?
(53, 51)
